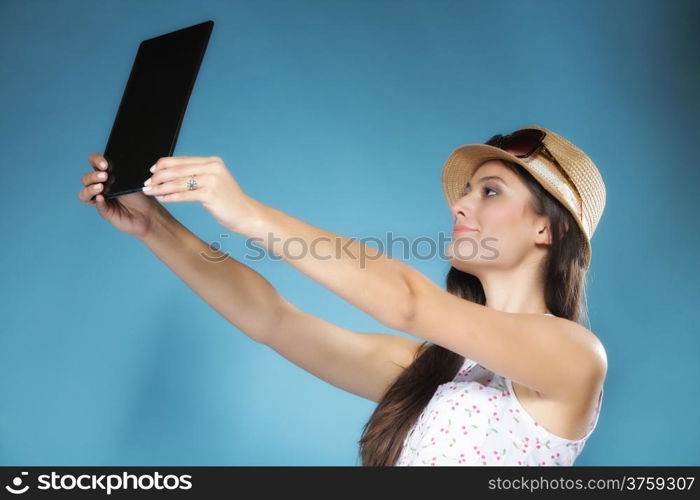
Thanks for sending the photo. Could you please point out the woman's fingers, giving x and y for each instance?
(93, 177)
(86, 194)
(98, 161)
(93, 180)
(170, 176)
(177, 185)
(181, 174)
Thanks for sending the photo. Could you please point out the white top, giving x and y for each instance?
(476, 419)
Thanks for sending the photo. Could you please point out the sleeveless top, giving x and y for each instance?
(476, 419)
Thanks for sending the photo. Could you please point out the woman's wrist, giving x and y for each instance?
(161, 224)
(254, 220)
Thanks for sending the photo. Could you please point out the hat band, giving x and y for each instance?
(570, 195)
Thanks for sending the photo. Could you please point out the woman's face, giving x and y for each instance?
(505, 231)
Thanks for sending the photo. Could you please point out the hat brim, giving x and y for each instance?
(462, 163)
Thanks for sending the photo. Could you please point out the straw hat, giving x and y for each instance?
(560, 167)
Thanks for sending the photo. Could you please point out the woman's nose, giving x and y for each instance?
(463, 206)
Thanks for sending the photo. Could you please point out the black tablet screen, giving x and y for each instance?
(153, 106)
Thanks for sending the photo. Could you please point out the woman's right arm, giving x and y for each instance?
(234, 290)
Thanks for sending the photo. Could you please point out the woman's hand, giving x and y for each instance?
(130, 213)
(216, 189)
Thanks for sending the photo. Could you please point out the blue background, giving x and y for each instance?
(341, 114)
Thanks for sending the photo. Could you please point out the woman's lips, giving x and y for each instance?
(459, 229)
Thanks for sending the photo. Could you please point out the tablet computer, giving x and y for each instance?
(153, 106)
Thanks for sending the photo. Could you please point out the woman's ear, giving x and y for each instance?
(544, 235)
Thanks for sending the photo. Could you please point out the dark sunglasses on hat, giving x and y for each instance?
(523, 143)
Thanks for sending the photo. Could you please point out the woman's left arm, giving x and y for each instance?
(554, 356)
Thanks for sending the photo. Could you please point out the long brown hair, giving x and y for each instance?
(564, 276)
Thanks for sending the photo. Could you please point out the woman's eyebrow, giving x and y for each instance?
(486, 178)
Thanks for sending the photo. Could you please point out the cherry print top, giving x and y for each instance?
(476, 419)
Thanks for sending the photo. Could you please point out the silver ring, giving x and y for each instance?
(192, 183)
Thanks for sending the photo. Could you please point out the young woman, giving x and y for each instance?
(507, 373)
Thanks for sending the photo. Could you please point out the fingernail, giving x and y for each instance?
(148, 181)
(102, 175)
(153, 168)
(147, 188)
(103, 164)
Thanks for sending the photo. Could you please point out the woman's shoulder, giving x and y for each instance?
(598, 353)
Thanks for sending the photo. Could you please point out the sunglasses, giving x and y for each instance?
(521, 143)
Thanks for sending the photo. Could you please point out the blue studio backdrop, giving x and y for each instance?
(341, 114)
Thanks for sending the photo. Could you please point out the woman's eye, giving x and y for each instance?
(486, 191)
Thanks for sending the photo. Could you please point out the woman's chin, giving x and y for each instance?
(466, 266)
